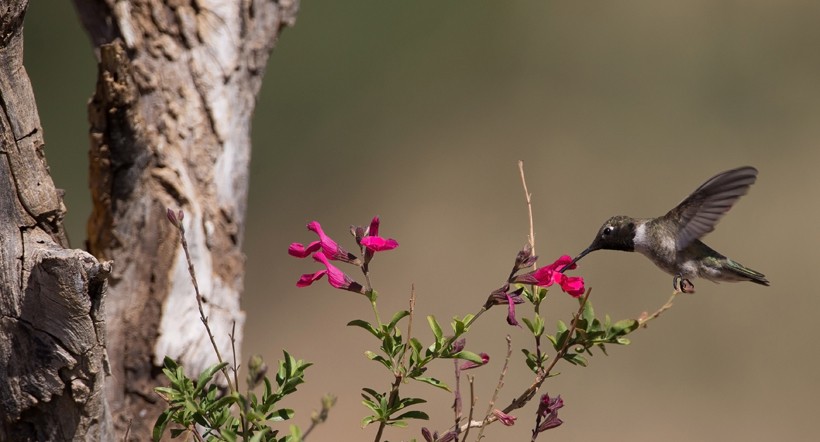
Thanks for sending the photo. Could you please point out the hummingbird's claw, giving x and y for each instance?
(679, 283)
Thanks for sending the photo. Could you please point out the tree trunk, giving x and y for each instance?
(52, 354)
(170, 127)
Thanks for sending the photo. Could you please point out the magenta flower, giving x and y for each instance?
(379, 244)
(300, 251)
(485, 358)
(504, 418)
(375, 243)
(434, 437)
(329, 247)
(548, 411)
(551, 274)
(335, 277)
(504, 296)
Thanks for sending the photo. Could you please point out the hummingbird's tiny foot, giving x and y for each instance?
(683, 285)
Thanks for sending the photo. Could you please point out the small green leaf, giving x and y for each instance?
(623, 327)
(365, 325)
(396, 318)
(576, 359)
(435, 327)
(434, 382)
(259, 435)
(587, 313)
(414, 414)
(295, 434)
(368, 420)
(161, 423)
(207, 375)
(468, 356)
(281, 414)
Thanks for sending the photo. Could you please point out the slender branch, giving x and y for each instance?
(644, 319)
(533, 288)
(528, 196)
(243, 416)
(457, 400)
(202, 316)
(412, 311)
(327, 402)
(473, 400)
(394, 394)
(490, 416)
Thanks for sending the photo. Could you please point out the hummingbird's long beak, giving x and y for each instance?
(577, 258)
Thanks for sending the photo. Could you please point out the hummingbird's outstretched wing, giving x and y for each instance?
(698, 214)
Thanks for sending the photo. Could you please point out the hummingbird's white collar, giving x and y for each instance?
(641, 241)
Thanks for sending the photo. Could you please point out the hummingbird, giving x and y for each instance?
(672, 241)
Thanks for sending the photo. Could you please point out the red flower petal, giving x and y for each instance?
(309, 278)
(300, 251)
(379, 244)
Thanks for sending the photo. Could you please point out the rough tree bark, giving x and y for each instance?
(51, 322)
(170, 127)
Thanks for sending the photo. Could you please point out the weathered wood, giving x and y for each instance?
(52, 354)
(170, 127)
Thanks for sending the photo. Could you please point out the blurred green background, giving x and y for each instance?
(418, 112)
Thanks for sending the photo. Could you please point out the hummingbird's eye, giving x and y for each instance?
(607, 230)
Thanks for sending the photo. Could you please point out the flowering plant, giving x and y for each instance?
(203, 408)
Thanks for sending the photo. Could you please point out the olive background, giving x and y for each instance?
(419, 111)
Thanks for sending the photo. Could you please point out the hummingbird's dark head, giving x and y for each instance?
(617, 233)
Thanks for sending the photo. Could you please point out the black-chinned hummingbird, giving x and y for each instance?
(672, 241)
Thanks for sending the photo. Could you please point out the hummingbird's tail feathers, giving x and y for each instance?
(747, 273)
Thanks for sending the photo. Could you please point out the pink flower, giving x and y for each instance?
(335, 277)
(504, 418)
(329, 247)
(504, 296)
(485, 358)
(379, 244)
(300, 251)
(548, 411)
(373, 242)
(552, 274)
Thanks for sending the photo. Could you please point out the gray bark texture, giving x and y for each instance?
(169, 128)
(52, 354)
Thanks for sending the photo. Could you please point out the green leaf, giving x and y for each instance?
(576, 359)
(282, 414)
(373, 393)
(587, 313)
(435, 327)
(368, 420)
(468, 356)
(259, 435)
(434, 382)
(372, 295)
(161, 423)
(207, 375)
(223, 402)
(295, 434)
(414, 414)
(623, 327)
(396, 318)
(408, 401)
(365, 325)
(378, 358)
